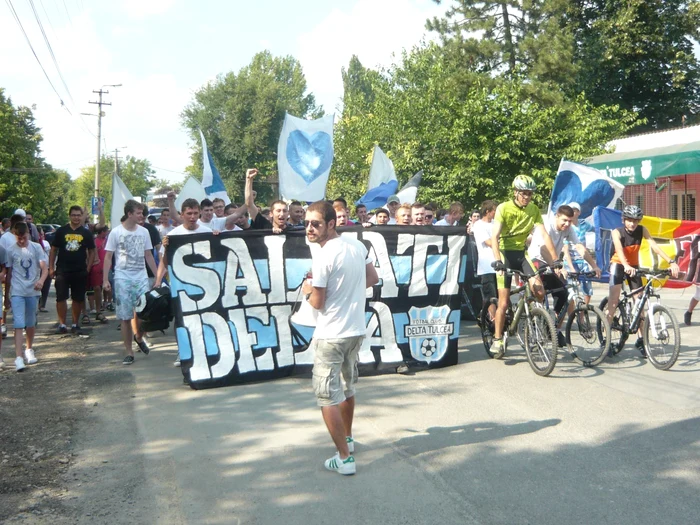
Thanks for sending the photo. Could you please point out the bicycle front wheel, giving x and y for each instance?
(662, 337)
(541, 342)
(588, 335)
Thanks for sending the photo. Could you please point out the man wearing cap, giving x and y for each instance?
(33, 232)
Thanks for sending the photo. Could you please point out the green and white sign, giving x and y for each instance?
(641, 167)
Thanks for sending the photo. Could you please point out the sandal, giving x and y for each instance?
(101, 318)
(86, 319)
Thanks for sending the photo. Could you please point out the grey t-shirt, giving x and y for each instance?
(26, 268)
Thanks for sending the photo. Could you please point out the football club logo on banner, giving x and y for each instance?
(428, 332)
(304, 158)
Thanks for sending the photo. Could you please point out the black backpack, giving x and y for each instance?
(154, 310)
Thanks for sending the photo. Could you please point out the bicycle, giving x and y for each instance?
(587, 328)
(539, 335)
(661, 335)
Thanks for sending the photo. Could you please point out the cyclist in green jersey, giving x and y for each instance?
(514, 221)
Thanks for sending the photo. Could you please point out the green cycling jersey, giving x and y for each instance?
(517, 223)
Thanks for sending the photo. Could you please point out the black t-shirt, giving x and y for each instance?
(72, 246)
(261, 223)
(155, 241)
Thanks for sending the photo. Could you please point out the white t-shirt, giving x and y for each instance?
(443, 222)
(181, 230)
(26, 268)
(129, 248)
(558, 239)
(217, 223)
(339, 267)
(164, 230)
(482, 233)
(8, 239)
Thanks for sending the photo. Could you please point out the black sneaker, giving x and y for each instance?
(75, 329)
(639, 345)
(62, 329)
(686, 318)
(128, 360)
(561, 340)
(142, 346)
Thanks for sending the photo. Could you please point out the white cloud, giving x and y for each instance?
(374, 31)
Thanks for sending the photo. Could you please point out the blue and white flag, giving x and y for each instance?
(586, 186)
(304, 158)
(211, 180)
(382, 181)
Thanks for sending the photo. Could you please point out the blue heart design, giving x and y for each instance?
(309, 155)
(567, 189)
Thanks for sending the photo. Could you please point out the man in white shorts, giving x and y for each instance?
(341, 271)
(130, 246)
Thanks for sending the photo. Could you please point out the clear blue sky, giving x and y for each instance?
(164, 50)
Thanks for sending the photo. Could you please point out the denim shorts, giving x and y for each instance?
(335, 369)
(24, 311)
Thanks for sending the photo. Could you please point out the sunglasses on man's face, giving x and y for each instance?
(315, 224)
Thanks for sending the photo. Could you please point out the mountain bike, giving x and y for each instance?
(587, 327)
(537, 332)
(661, 335)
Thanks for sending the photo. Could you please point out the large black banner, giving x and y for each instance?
(234, 295)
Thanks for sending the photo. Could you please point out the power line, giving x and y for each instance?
(66, 7)
(14, 13)
(55, 61)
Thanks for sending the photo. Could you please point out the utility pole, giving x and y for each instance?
(100, 114)
(116, 160)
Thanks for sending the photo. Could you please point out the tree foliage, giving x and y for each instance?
(639, 54)
(136, 174)
(241, 115)
(470, 140)
(26, 180)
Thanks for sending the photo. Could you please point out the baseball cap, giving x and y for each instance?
(20, 211)
(575, 205)
(393, 198)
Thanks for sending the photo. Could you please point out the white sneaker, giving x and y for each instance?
(19, 364)
(3, 330)
(29, 356)
(346, 467)
(2, 363)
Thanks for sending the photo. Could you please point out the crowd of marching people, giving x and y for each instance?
(104, 270)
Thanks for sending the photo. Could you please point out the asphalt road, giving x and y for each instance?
(483, 442)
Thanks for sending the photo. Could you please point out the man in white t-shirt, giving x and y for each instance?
(341, 271)
(561, 232)
(453, 215)
(129, 246)
(481, 230)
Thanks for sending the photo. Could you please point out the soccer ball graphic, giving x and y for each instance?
(428, 347)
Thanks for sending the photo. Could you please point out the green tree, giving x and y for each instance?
(26, 180)
(136, 174)
(471, 141)
(528, 38)
(639, 54)
(241, 115)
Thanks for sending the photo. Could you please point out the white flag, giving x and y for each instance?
(120, 194)
(304, 158)
(191, 190)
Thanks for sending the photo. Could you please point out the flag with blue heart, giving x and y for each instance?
(304, 158)
(586, 186)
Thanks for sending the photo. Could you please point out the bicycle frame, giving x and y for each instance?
(647, 292)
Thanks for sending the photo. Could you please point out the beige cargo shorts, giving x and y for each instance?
(335, 369)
